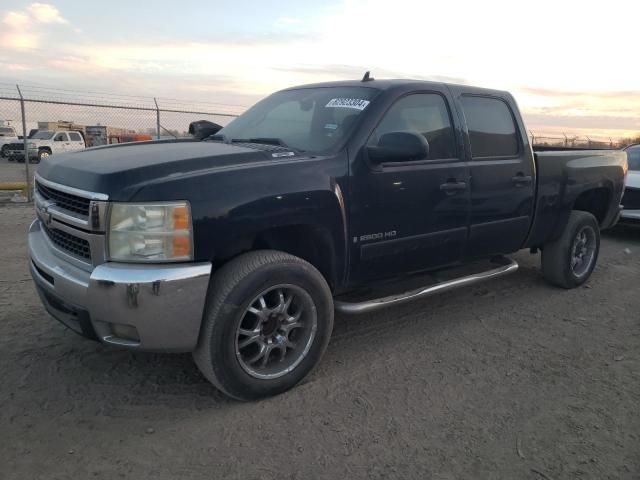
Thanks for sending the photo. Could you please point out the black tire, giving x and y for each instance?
(12, 159)
(232, 291)
(558, 256)
(3, 151)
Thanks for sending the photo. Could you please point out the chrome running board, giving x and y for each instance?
(508, 266)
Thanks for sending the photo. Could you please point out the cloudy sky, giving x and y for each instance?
(573, 65)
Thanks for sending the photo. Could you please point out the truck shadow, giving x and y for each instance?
(624, 232)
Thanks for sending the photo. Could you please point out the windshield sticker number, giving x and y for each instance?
(355, 103)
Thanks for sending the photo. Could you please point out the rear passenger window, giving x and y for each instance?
(75, 136)
(423, 113)
(492, 131)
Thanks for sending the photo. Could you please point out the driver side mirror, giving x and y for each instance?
(203, 129)
(399, 147)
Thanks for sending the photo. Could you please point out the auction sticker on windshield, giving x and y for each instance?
(356, 103)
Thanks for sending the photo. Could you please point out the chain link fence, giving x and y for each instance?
(576, 141)
(112, 118)
(101, 118)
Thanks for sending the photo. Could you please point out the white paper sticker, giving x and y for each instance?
(348, 103)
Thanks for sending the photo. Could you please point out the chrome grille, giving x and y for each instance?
(69, 243)
(631, 198)
(64, 200)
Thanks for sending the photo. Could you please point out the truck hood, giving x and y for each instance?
(120, 170)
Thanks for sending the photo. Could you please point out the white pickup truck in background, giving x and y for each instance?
(44, 143)
(7, 135)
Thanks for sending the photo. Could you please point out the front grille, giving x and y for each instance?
(631, 199)
(15, 146)
(69, 243)
(63, 200)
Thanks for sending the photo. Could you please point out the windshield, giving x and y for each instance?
(42, 135)
(6, 132)
(313, 120)
(633, 157)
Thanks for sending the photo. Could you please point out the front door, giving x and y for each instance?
(413, 215)
(60, 143)
(502, 177)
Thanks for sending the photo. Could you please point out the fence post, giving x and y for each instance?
(157, 119)
(24, 141)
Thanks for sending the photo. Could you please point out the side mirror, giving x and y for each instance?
(399, 147)
(203, 129)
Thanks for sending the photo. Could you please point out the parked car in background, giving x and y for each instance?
(631, 198)
(7, 135)
(46, 142)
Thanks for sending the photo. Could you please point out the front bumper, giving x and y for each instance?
(33, 153)
(164, 303)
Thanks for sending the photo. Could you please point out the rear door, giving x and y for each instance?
(502, 175)
(404, 216)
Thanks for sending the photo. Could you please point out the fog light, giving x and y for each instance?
(126, 332)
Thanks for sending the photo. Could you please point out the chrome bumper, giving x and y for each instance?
(164, 303)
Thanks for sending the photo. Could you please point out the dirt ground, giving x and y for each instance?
(511, 379)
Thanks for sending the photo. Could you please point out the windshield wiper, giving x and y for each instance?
(263, 140)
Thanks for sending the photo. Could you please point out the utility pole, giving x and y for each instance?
(157, 118)
(25, 141)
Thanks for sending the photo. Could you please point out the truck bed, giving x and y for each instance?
(562, 178)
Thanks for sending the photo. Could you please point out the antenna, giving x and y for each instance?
(367, 77)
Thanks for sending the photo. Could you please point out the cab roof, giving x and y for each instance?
(389, 84)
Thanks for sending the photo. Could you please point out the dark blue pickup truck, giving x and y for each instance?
(348, 196)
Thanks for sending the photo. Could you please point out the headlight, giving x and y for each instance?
(31, 145)
(150, 232)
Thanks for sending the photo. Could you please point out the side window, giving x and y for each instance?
(492, 131)
(423, 113)
(61, 137)
(75, 137)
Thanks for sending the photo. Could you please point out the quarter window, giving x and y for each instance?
(492, 131)
(423, 113)
(75, 136)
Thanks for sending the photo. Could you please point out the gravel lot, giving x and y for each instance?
(510, 379)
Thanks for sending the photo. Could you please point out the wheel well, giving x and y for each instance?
(594, 201)
(48, 149)
(308, 242)
(311, 243)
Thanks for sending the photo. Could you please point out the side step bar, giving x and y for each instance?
(508, 266)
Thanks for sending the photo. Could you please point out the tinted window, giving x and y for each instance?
(633, 156)
(425, 114)
(75, 136)
(492, 132)
(61, 137)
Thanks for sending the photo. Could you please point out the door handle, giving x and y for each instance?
(452, 187)
(522, 180)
